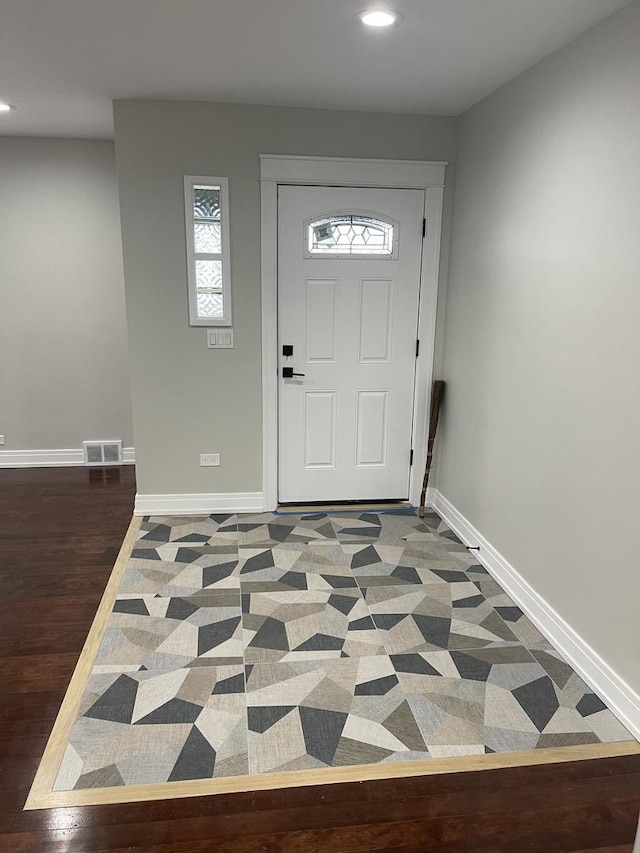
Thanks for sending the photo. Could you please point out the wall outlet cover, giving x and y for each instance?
(1, 439)
(207, 459)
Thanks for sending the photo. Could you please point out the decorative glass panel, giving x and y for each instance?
(207, 238)
(209, 288)
(208, 261)
(350, 234)
(208, 275)
(206, 203)
(210, 305)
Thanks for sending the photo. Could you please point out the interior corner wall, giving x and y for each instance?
(63, 347)
(540, 442)
(187, 399)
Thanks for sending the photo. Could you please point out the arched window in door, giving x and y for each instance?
(351, 234)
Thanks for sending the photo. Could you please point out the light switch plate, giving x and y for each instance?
(220, 338)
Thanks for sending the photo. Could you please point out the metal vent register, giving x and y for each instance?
(102, 452)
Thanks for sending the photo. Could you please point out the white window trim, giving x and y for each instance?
(278, 169)
(225, 256)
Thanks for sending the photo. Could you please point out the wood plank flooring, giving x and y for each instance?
(60, 530)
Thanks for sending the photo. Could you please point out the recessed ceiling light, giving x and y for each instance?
(5, 108)
(378, 17)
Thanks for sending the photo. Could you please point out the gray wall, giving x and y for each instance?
(63, 351)
(541, 434)
(186, 399)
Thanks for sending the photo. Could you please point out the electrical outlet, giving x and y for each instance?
(209, 459)
(1, 439)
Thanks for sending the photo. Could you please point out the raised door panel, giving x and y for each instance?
(372, 429)
(375, 321)
(320, 320)
(320, 429)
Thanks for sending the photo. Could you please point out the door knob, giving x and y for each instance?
(287, 373)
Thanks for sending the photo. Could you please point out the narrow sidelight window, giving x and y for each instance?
(208, 256)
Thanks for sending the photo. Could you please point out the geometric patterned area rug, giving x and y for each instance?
(234, 652)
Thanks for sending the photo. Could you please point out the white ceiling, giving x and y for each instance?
(63, 61)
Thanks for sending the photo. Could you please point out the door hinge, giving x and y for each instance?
(424, 227)
(417, 347)
(411, 458)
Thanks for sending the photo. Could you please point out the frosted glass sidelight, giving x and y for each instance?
(346, 234)
(208, 252)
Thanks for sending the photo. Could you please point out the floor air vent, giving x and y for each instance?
(102, 452)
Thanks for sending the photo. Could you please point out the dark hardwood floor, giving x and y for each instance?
(60, 530)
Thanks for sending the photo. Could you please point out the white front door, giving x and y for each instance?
(348, 293)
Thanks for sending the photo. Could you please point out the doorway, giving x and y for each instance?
(349, 287)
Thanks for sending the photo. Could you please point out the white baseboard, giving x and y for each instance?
(54, 458)
(198, 504)
(128, 455)
(614, 691)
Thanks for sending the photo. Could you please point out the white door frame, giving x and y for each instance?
(278, 169)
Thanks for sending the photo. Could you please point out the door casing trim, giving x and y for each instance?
(278, 169)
